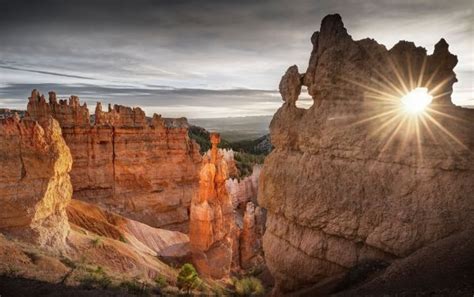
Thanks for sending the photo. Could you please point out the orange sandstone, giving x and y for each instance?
(145, 169)
(212, 218)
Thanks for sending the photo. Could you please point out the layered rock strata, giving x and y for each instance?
(35, 187)
(143, 238)
(244, 190)
(212, 218)
(356, 176)
(145, 169)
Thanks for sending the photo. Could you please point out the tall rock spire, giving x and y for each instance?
(211, 222)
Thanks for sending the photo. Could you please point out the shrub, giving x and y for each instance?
(188, 278)
(96, 241)
(249, 286)
(96, 279)
(161, 282)
(123, 239)
(136, 287)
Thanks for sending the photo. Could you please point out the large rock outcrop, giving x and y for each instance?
(145, 169)
(35, 187)
(212, 217)
(355, 177)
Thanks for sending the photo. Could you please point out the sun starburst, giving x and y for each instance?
(407, 105)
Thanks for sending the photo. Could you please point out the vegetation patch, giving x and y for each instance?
(188, 278)
(249, 286)
(96, 242)
(136, 287)
(96, 279)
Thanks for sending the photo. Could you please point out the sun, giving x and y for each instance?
(417, 100)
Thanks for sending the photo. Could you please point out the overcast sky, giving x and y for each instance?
(201, 59)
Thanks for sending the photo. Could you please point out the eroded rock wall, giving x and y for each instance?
(244, 190)
(145, 169)
(356, 177)
(35, 187)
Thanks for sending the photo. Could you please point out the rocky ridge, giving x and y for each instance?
(145, 169)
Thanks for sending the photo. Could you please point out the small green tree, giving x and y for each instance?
(188, 278)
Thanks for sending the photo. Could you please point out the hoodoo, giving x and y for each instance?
(212, 218)
(356, 177)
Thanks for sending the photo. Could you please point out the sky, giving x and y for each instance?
(201, 59)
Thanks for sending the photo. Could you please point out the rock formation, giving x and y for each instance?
(35, 187)
(212, 218)
(355, 177)
(228, 156)
(145, 169)
(245, 190)
(165, 244)
(251, 237)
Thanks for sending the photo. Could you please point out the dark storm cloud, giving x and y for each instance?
(192, 47)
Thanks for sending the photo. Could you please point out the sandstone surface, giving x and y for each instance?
(244, 190)
(145, 169)
(35, 187)
(212, 217)
(253, 228)
(356, 177)
(154, 241)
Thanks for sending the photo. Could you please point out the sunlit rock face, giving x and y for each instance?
(145, 169)
(355, 177)
(35, 187)
(212, 224)
(165, 244)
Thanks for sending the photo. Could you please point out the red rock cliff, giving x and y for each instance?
(35, 187)
(143, 169)
(355, 177)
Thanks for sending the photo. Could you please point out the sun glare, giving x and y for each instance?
(416, 100)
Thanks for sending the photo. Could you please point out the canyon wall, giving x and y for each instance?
(244, 190)
(356, 177)
(145, 169)
(35, 187)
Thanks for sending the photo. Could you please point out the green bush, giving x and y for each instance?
(188, 278)
(249, 286)
(161, 282)
(96, 279)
